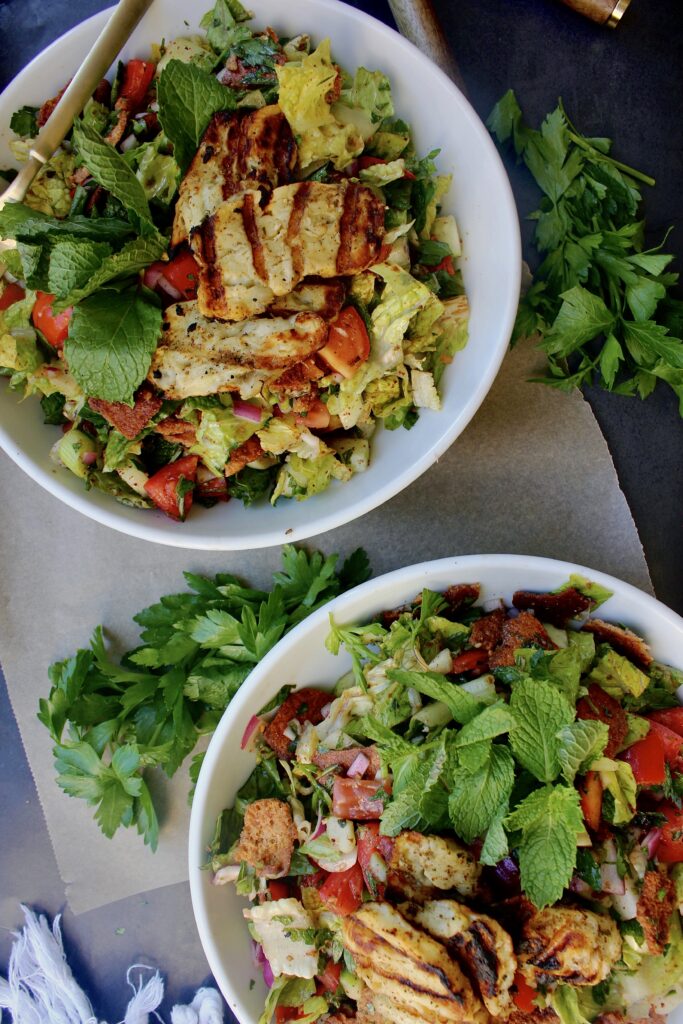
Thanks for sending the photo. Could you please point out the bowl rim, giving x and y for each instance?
(183, 536)
(461, 566)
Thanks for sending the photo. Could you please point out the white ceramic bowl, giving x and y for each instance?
(301, 658)
(480, 198)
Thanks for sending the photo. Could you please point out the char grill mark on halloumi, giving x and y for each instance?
(237, 152)
(479, 943)
(408, 968)
(250, 255)
(325, 298)
(196, 356)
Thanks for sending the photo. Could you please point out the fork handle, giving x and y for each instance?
(417, 21)
(105, 48)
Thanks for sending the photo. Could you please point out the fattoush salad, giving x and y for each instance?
(233, 269)
(482, 821)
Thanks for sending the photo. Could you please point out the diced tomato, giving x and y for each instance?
(470, 661)
(329, 979)
(278, 889)
(598, 705)
(670, 849)
(359, 799)
(672, 718)
(283, 1014)
(646, 758)
(590, 794)
(316, 416)
(348, 343)
(672, 742)
(315, 880)
(167, 488)
(371, 842)
(12, 293)
(53, 327)
(523, 994)
(446, 264)
(342, 892)
(137, 79)
(183, 273)
(215, 488)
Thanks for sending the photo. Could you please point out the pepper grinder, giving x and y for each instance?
(604, 12)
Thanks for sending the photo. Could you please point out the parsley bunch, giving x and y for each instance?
(601, 304)
(150, 708)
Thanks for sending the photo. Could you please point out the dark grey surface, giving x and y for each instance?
(624, 84)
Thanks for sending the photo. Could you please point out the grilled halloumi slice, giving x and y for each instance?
(249, 255)
(323, 297)
(578, 947)
(237, 152)
(480, 944)
(408, 968)
(196, 356)
(421, 866)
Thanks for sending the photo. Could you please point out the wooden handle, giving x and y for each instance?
(605, 12)
(417, 21)
(98, 61)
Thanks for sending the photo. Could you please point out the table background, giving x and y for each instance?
(625, 84)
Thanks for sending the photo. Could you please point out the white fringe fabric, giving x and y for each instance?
(41, 988)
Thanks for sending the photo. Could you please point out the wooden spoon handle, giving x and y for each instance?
(605, 12)
(417, 21)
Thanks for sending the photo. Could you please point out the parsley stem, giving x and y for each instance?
(631, 171)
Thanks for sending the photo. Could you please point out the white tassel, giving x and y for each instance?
(147, 996)
(41, 989)
(40, 986)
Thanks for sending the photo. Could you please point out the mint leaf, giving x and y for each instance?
(461, 704)
(110, 170)
(580, 743)
(550, 820)
(188, 98)
(496, 844)
(582, 317)
(491, 722)
(74, 274)
(110, 344)
(421, 803)
(25, 224)
(478, 797)
(540, 711)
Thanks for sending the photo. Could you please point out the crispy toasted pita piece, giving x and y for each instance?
(237, 152)
(487, 631)
(248, 255)
(622, 640)
(655, 906)
(247, 452)
(524, 631)
(128, 420)
(267, 838)
(557, 609)
(196, 356)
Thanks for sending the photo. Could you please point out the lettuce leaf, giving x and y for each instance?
(18, 349)
(302, 478)
(218, 431)
(306, 88)
(365, 102)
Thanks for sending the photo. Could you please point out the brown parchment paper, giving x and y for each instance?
(531, 474)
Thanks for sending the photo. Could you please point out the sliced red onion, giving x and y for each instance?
(168, 288)
(251, 725)
(580, 887)
(325, 710)
(259, 955)
(152, 276)
(610, 880)
(358, 766)
(268, 975)
(320, 828)
(88, 458)
(651, 841)
(246, 411)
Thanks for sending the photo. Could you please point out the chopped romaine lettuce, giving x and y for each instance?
(302, 478)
